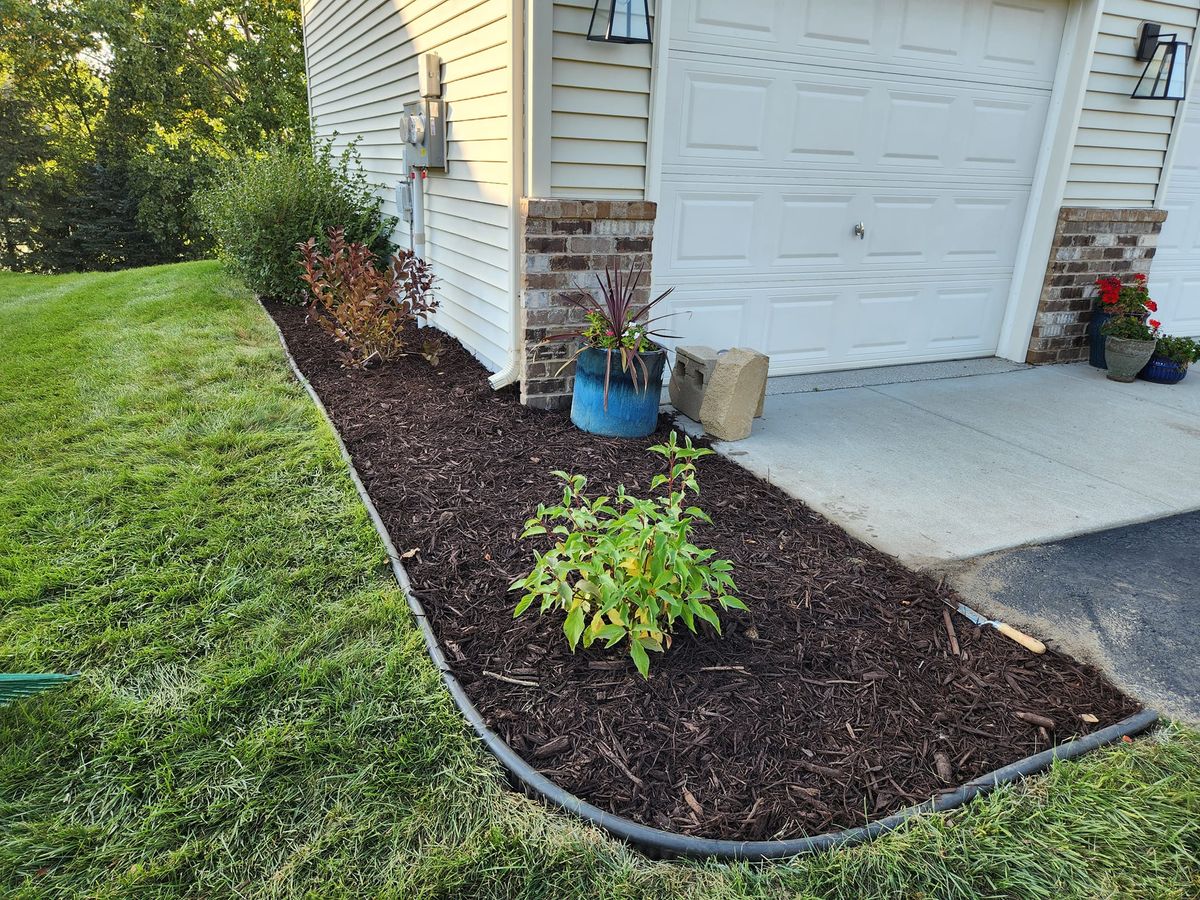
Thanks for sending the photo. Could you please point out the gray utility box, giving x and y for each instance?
(423, 131)
(723, 391)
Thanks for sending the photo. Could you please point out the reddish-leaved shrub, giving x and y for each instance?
(366, 308)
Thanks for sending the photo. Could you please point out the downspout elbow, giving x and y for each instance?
(510, 373)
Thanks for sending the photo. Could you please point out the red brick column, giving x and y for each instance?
(1088, 244)
(566, 242)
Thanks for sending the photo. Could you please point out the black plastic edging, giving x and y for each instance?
(654, 841)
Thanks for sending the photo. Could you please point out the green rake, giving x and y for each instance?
(14, 687)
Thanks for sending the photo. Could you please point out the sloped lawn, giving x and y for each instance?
(257, 716)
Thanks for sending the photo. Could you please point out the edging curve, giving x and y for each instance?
(653, 841)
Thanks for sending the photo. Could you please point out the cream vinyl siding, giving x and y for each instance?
(362, 68)
(600, 110)
(1121, 143)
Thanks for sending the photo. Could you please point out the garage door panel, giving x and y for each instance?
(901, 230)
(844, 114)
(747, 20)
(838, 23)
(801, 326)
(715, 230)
(772, 117)
(1179, 242)
(740, 129)
(999, 136)
(809, 328)
(935, 27)
(799, 233)
(805, 237)
(1017, 41)
(966, 319)
(731, 318)
(1178, 295)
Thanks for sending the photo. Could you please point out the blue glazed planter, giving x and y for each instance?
(631, 413)
(1096, 350)
(1161, 370)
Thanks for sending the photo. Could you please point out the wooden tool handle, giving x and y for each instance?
(1029, 643)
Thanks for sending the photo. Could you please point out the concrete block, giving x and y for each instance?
(689, 377)
(734, 394)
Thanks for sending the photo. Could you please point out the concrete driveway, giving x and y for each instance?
(933, 469)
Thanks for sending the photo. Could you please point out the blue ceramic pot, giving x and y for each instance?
(1096, 350)
(1161, 370)
(632, 412)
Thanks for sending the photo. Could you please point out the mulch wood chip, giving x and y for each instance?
(842, 696)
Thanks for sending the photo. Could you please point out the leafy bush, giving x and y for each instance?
(260, 208)
(625, 568)
(1182, 350)
(363, 307)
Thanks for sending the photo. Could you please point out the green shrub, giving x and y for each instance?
(260, 208)
(626, 568)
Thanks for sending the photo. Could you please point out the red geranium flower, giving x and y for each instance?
(1155, 324)
(1151, 305)
(1139, 277)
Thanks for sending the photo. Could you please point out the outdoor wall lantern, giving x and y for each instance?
(1166, 59)
(620, 22)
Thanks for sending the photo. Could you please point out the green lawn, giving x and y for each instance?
(257, 716)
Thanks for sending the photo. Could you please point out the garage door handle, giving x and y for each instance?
(860, 231)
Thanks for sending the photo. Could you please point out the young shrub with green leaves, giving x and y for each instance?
(261, 207)
(625, 569)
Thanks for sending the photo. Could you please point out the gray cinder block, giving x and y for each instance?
(689, 377)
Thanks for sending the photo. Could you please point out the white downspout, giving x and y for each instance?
(511, 371)
(417, 177)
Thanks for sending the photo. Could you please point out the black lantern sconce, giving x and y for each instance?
(620, 22)
(1166, 57)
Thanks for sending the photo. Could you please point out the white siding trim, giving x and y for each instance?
(1173, 141)
(539, 88)
(658, 98)
(511, 370)
(1054, 161)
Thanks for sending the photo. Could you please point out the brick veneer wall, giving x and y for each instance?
(1088, 244)
(565, 243)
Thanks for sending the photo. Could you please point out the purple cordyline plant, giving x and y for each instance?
(616, 321)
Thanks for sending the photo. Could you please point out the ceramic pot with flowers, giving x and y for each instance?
(1172, 356)
(1129, 344)
(1115, 299)
(619, 366)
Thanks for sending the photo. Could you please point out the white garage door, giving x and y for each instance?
(1175, 273)
(790, 121)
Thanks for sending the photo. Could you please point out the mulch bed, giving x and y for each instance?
(837, 699)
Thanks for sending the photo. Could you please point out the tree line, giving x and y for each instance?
(115, 113)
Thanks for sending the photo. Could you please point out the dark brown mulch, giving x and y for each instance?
(833, 701)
